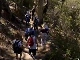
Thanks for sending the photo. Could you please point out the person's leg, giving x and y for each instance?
(17, 56)
(34, 27)
(34, 53)
(45, 38)
(26, 23)
(29, 51)
(32, 17)
(20, 55)
(42, 39)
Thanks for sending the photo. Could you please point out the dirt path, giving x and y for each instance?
(25, 56)
(40, 53)
(41, 50)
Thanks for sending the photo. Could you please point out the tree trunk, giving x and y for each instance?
(40, 10)
(0, 7)
(6, 8)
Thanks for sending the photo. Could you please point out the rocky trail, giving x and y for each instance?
(7, 52)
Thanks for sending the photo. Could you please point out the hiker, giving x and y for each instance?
(33, 11)
(32, 45)
(35, 22)
(45, 26)
(27, 31)
(17, 45)
(44, 34)
(27, 17)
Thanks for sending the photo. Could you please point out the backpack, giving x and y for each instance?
(27, 32)
(30, 41)
(16, 45)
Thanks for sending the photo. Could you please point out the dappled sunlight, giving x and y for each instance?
(61, 41)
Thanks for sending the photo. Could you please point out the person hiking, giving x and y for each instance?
(17, 45)
(35, 22)
(27, 17)
(44, 34)
(33, 11)
(32, 46)
(26, 33)
(45, 26)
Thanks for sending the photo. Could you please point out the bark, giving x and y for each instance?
(6, 8)
(40, 10)
(0, 7)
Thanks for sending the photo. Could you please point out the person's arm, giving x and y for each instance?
(27, 41)
(36, 43)
(13, 41)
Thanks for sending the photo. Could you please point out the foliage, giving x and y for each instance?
(65, 30)
(64, 48)
(63, 16)
(20, 7)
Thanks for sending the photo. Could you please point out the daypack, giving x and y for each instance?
(30, 41)
(16, 45)
(27, 32)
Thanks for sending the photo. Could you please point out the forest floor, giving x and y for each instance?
(6, 52)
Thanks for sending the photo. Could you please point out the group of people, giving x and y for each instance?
(31, 39)
(31, 15)
(31, 36)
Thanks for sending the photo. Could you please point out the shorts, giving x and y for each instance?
(18, 50)
(33, 51)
